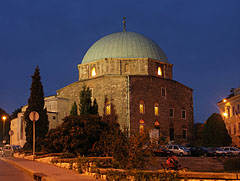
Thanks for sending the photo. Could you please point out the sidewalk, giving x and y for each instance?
(46, 172)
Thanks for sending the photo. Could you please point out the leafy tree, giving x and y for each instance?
(76, 135)
(73, 111)
(36, 103)
(215, 132)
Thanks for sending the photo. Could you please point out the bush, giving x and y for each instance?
(232, 164)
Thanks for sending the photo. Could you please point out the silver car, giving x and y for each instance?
(179, 150)
(7, 150)
(234, 151)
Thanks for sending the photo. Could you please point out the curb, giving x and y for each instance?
(33, 174)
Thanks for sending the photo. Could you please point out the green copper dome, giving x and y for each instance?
(124, 45)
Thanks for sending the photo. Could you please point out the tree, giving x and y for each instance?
(15, 113)
(76, 135)
(215, 132)
(86, 107)
(85, 101)
(94, 110)
(73, 111)
(36, 103)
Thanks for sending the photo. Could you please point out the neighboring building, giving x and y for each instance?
(53, 104)
(131, 79)
(230, 111)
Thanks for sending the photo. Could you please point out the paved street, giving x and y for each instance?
(11, 173)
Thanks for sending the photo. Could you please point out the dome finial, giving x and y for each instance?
(124, 24)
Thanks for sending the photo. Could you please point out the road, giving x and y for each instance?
(11, 173)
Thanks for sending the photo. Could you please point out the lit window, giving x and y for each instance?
(93, 72)
(183, 114)
(171, 113)
(141, 107)
(184, 134)
(163, 92)
(156, 109)
(159, 71)
(108, 109)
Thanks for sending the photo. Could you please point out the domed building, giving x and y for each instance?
(131, 78)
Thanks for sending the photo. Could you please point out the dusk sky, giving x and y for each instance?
(201, 38)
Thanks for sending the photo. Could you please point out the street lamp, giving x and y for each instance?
(4, 119)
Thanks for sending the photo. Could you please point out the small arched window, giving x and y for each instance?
(141, 127)
(93, 72)
(159, 71)
(156, 123)
(156, 109)
(141, 107)
(108, 108)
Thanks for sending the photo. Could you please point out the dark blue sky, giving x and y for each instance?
(200, 37)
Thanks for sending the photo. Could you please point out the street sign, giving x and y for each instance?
(34, 116)
(11, 132)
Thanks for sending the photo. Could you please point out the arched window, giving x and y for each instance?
(156, 109)
(93, 72)
(141, 127)
(108, 108)
(156, 123)
(159, 71)
(141, 107)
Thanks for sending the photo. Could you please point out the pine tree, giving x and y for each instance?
(86, 105)
(94, 110)
(36, 103)
(73, 111)
(85, 101)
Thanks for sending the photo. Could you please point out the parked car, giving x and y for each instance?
(217, 151)
(161, 151)
(201, 151)
(179, 150)
(7, 150)
(233, 150)
(16, 147)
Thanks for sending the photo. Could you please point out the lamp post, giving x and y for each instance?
(4, 119)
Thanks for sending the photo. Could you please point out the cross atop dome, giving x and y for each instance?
(124, 24)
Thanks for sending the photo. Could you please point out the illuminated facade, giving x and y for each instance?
(131, 79)
(229, 108)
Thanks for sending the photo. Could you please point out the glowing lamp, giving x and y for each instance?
(224, 100)
(225, 114)
(4, 118)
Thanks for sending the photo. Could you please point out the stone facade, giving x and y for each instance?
(123, 83)
(229, 108)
